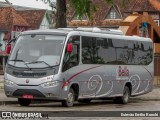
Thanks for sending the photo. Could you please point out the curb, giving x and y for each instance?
(16, 102)
(144, 99)
(1, 85)
(8, 102)
(39, 102)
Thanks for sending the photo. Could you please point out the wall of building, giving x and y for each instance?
(2, 42)
(157, 66)
(45, 23)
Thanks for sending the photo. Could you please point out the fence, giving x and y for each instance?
(157, 70)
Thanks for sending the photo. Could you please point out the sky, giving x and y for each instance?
(29, 3)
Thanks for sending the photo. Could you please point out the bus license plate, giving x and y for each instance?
(27, 96)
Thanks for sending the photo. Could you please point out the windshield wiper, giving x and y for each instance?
(18, 60)
(39, 62)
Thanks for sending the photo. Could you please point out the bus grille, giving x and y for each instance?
(21, 92)
(29, 74)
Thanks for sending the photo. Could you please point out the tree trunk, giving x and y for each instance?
(61, 14)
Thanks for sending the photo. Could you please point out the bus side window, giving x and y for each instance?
(72, 59)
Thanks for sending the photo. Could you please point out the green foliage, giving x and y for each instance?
(82, 7)
(86, 7)
(109, 1)
(123, 2)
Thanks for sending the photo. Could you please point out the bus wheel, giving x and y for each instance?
(125, 98)
(85, 101)
(24, 102)
(70, 99)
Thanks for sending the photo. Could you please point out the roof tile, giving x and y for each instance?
(9, 18)
(33, 17)
(99, 15)
(103, 8)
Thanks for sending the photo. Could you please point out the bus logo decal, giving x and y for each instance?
(122, 73)
(95, 82)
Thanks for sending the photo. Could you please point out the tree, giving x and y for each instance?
(61, 14)
(81, 7)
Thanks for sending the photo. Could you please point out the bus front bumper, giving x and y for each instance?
(35, 92)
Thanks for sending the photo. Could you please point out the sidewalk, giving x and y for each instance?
(152, 96)
(1, 81)
(4, 100)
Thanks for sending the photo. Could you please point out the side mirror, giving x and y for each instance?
(69, 47)
(8, 48)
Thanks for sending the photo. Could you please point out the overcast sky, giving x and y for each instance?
(29, 3)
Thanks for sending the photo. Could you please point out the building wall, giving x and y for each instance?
(2, 48)
(45, 23)
(157, 66)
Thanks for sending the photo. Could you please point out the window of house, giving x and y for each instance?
(157, 22)
(113, 15)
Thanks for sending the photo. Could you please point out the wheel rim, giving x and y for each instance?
(70, 98)
(126, 95)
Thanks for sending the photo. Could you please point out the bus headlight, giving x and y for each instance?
(9, 83)
(49, 84)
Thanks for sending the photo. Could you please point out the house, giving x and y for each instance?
(106, 15)
(152, 7)
(111, 15)
(10, 23)
(13, 22)
(37, 19)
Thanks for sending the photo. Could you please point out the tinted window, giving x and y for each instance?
(37, 51)
(114, 51)
(72, 59)
(142, 53)
(97, 51)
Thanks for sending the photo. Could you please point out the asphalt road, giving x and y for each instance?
(134, 105)
(100, 108)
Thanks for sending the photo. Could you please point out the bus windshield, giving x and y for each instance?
(37, 51)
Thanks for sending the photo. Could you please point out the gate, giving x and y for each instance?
(157, 70)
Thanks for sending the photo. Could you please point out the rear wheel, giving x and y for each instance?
(70, 99)
(125, 98)
(24, 102)
(85, 101)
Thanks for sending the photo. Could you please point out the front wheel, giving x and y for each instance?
(70, 99)
(24, 102)
(125, 98)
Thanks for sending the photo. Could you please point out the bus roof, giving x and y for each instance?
(67, 30)
(47, 31)
(89, 31)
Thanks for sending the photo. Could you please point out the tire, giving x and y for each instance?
(70, 99)
(85, 101)
(24, 102)
(125, 98)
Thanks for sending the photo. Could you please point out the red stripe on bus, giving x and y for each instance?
(80, 73)
(148, 72)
